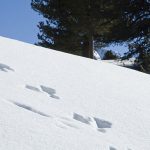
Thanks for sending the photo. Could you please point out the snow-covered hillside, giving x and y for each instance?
(124, 63)
(50, 100)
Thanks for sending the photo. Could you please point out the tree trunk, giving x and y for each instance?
(88, 47)
(85, 51)
(91, 46)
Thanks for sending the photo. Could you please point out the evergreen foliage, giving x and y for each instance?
(136, 14)
(72, 26)
(140, 49)
(109, 55)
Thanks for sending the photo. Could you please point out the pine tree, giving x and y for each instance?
(109, 55)
(136, 15)
(72, 26)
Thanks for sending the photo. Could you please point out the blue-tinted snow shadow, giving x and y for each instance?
(5, 68)
(33, 88)
(112, 148)
(101, 124)
(30, 109)
(50, 91)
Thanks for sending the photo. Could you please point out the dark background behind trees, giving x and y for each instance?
(77, 26)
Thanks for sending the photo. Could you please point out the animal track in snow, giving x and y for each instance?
(32, 88)
(5, 68)
(112, 148)
(97, 123)
(51, 92)
(102, 123)
(30, 109)
(82, 119)
(69, 124)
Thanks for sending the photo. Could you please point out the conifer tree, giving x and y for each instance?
(137, 18)
(72, 26)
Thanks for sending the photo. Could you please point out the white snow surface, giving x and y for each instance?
(123, 63)
(50, 100)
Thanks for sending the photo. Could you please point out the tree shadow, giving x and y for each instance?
(5, 68)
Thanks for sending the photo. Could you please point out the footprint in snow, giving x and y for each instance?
(33, 88)
(112, 148)
(50, 91)
(29, 108)
(5, 68)
(97, 123)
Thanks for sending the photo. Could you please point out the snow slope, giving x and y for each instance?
(50, 100)
(124, 63)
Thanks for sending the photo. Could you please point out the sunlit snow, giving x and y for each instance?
(51, 100)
